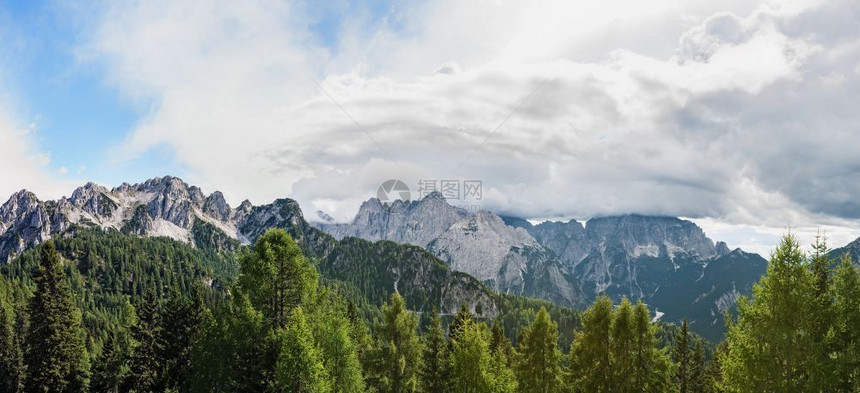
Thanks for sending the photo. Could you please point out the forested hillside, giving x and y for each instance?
(101, 311)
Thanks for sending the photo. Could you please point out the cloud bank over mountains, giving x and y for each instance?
(740, 114)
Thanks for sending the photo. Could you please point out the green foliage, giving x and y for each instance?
(770, 347)
(107, 271)
(56, 358)
(537, 367)
(282, 328)
(146, 363)
(435, 371)
(683, 358)
(617, 351)
(474, 369)
(300, 362)
(844, 335)
(11, 357)
(276, 276)
(334, 336)
(397, 358)
(590, 362)
(110, 368)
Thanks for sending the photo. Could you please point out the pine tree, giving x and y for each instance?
(398, 350)
(146, 364)
(300, 364)
(820, 372)
(56, 358)
(500, 345)
(769, 347)
(682, 357)
(181, 321)
(845, 332)
(332, 333)
(538, 363)
(473, 367)
(11, 368)
(653, 367)
(360, 335)
(463, 317)
(590, 356)
(434, 373)
(698, 370)
(234, 351)
(110, 368)
(276, 276)
(622, 347)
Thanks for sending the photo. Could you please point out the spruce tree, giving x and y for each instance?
(300, 363)
(276, 276)
(698, 370)
(682, 357)
(462, 317)
(845, 332)
(435, 372)
(538, 364)
(769, 346)
(56, 358)
(333, 335)
(500, 345)
(181, 321)
(473, 367)
(110, 368)
(820, 310)
(398, 349)
(11, 368)
(147, 368)
(590, 355)
(360, 334)
(653, 368)
(623, 348)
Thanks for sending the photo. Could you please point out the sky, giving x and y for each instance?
(739, 115)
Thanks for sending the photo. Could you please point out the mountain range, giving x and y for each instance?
(168, 207)
(668, 262)
(433, 253)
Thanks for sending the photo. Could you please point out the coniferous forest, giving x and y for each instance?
(106, 312)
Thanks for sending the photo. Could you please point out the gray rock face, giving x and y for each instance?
(658, 259)
(164, 206)
(216, 206)
(642, 235)
(24, 222)
(567, 240)
(484, 247)
(507, 258)
(416, 222)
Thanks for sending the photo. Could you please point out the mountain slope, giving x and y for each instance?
(168, 207)
(665, 261)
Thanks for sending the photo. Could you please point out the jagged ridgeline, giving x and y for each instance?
(667, 262)
(163, 235)
(458, 256)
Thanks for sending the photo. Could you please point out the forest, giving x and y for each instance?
(106, 312)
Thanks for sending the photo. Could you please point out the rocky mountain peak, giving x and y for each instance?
(415, 222)
(647, 235)
(18, 203)
(216, 206)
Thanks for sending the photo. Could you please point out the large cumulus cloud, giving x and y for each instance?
(740, 112)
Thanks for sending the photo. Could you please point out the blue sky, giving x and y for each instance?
(79, 115)
(738, 114)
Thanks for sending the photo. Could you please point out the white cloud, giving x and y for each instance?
(736, 112)
(22, 163)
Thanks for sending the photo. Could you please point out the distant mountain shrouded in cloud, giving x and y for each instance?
(737, 113)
